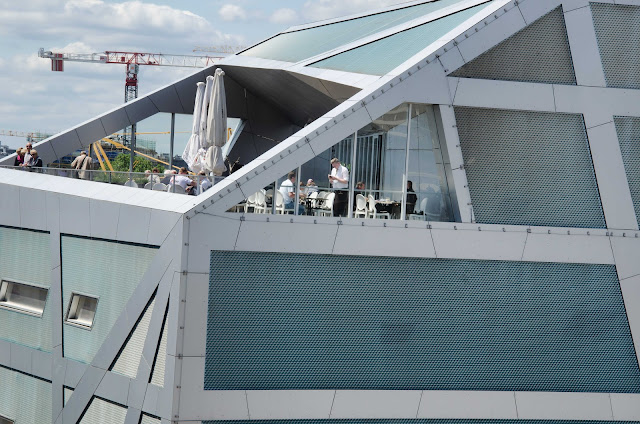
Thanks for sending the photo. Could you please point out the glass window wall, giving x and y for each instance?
(373, 177)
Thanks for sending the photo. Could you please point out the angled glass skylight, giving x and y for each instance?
(299, 45)
(380, 57)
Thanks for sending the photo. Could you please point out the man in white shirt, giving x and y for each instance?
(339, 179)
(184, 181)
(287, 188)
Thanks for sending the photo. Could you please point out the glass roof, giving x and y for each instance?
(303, 44)
(382, 56)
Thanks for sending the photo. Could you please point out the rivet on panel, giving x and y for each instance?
(568, 232)
(406, 225)
(504, 230)
(528, 230)
(385, 224)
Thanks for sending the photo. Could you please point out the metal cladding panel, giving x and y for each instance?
(618, 31)
(529, 168)
(103, 412)
(24, 399)
(25, 256)
(157, 376)
(382, 56)
(357, 322)
(629, 137)
(105, 269)
(417, 421)
(538, 53)
(298, 45)
(129, 359)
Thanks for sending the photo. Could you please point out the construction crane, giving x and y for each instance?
(132, 61)
(34, 137)
(226, 49)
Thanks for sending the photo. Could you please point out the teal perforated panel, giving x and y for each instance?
(24, 399)
(518, 58)
(25, 256)
(529, 168)
(618, 31)
(292, 321)
(107, 270)
(628, 129)
(299, 45)
(382, 56)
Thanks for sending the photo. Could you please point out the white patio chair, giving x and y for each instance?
(179, 189)
(280, 203)
(131, 183)
(327, 207)
(423, 209)
(361, 206)
(159, 187)
(260, 205)
(250, 203)
(373, 213)
(148, 186)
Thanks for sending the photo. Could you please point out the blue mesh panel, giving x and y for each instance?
(629, 137)
(298, 45)
(407, 421)
(529, 168)
(283, 321)
(618, 30)
(518, 57)
(380, 57)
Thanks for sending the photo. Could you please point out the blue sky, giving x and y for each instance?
(32, 98)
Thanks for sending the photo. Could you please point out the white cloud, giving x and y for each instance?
(231, 12)
(284, 16)
(315, 10)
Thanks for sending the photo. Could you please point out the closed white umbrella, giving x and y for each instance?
(191, 149)
(216, 126)
(205, 112)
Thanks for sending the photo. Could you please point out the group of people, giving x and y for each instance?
(27, 157)
(339, 180)
(180, 178)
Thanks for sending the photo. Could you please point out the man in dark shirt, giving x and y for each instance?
(411, 197)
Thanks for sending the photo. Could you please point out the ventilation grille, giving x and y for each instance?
(157, 377)
(129, 358)
(538, 53)
(629, 136)
(618, 31)
(354, 322)
(529, 168)
(24, 399)
(103, 412)
(147, 419)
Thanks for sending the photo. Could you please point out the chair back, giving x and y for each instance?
(269, 194)
(372, 204)
(423, 205)
(313, 199)
(328, 201)
(179, 189)
(159, 187)
(279, 202)
(131, 183)
(361, 203)
(148, 186)
(251, 199)
(260, 199)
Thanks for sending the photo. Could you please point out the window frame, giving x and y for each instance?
(75, 322)
(6, 305)
(5, 420)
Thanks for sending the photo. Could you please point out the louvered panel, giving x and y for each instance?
(25, 256)
(24, 399)
(129, 359)
(103, 412)
(157, 377)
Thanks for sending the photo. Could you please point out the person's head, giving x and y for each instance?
(84, 152)
(410, 185)
(291, 176)
(183, 170)
(310, 182)
(202, 173)
(29, 146)
(22, 151)
(335, 162)
(360, 185)
(147, 172)
(34, 153)
(168, 172)
(154, 170)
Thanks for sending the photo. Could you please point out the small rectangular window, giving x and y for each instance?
(21, 297)
(82, 310)
(4, 420)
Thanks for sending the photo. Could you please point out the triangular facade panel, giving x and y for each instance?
(129, 359)
(538, 53)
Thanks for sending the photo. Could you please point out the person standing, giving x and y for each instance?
(411, 197)
(339, 179)
(80, 164)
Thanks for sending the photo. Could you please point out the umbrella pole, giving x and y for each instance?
(173, 133)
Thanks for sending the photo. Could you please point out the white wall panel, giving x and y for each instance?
(567, 249)
(533, 10)
(625, 406)
(196, 315)
(115, 120)
(289, 404)
(615, 194)
(90, 132)
(631, 295)
(375, 239)
(470, 244)
(584, 46)
(32, 209)
(75, 216)
(207, 233)
(375, 404)
(563, 406)
(133, 224)
(626, 251)
(104, 219)
(504, 95)
(467, 405)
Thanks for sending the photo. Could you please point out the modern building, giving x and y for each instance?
(511, 295)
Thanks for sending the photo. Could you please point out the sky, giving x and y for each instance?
(33, 98)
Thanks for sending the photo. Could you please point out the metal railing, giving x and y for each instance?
(153, 181)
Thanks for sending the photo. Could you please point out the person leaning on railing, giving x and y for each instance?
(34, 161)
